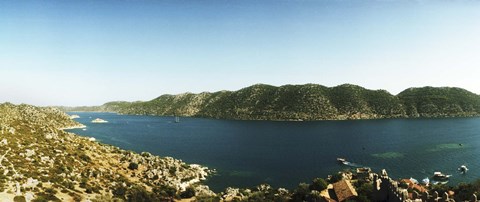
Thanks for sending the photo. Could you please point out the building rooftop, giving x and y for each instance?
(344, 190)
(414, 186)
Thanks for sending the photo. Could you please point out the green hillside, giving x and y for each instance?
(306, 102)
(440, 102)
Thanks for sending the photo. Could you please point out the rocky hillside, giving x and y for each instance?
(440, 102)
(307, 102)
(41, 162)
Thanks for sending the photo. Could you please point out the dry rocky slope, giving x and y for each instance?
(306, 102)
(41, 162)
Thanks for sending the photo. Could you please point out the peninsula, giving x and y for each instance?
(41, 162)
(305, 102)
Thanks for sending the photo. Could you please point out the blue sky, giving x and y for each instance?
(91, 52)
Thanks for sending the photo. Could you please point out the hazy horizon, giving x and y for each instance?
(90, 52)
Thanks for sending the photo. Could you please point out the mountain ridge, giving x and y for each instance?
(305, 102)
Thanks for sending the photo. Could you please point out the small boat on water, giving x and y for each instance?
(463, 169)
(440, 177)
(98, 120)
(426, 181)
(348, 163)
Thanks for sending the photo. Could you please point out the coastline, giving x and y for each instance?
(79, 126)
(42, 161)
(341, 118)
(195, 173)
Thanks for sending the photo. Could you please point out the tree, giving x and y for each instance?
(188, 193)
(335, 178)
(318, 184)
(301, 192)
(133, 166)
(365, 191)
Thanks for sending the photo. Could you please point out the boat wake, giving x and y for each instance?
(356, 165)
(347, 163)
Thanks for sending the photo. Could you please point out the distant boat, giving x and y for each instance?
(177, 119)
(347, 163)
(463, 169)
(341, 160)
(426, 181)
(439, 176)
(74, 116)
(97, 120)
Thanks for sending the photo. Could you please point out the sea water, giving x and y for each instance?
(283, 154)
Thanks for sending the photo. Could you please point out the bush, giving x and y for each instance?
(40, 199)
(77, 198)
(105, 198)
(45, 197)
(208, 198)
(119, 192)
(318, 184)
(301, 192)
(50, 191)
(335, 178)
(85, 157)
(138, 194)
(188, 193)
(88, 190)
(19, 199)
(133, 166)
(365, 191)
(164, 191)
(83, 183)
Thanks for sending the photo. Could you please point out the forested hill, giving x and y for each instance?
(306, 102)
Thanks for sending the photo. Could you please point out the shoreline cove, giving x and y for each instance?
(263, 150)
(41, 158)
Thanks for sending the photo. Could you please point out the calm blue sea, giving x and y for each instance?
(283, 154)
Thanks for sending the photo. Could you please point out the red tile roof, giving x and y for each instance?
(344, 190)
(414, 186)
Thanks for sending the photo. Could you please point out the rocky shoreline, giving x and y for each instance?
(40, 161)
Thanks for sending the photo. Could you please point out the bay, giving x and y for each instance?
(283, 154)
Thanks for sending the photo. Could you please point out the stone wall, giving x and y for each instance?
(387, 190)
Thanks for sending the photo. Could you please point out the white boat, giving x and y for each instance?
(97, 120)
(177, 119)
(341, 160)
(463, 169)
(439, 176)
(74, 116)
(426, 181)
